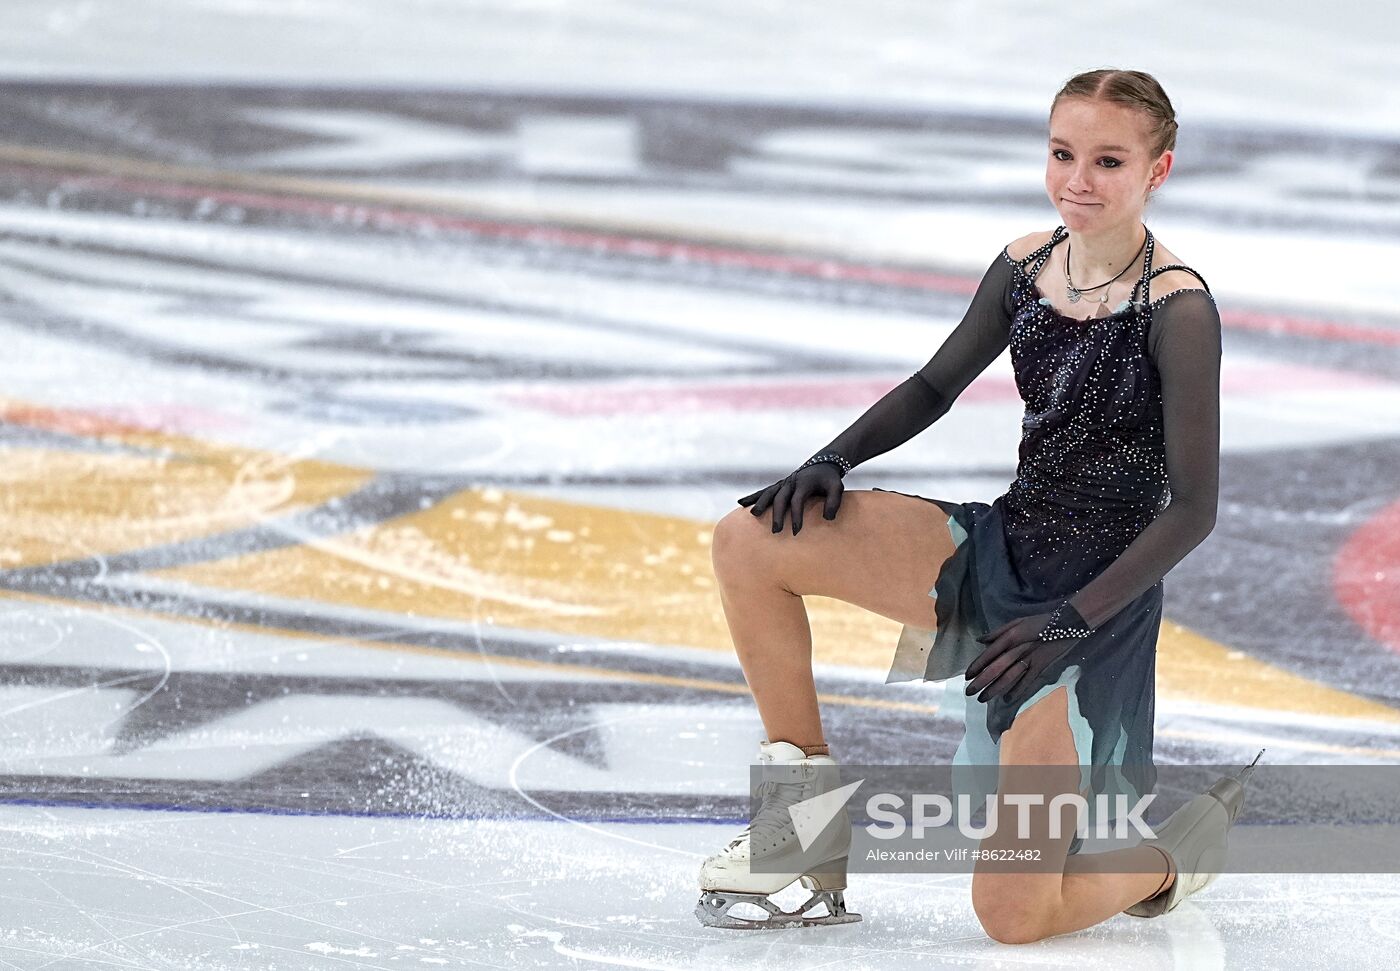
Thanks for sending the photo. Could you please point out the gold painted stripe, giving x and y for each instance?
(539, 563)
(60, 505)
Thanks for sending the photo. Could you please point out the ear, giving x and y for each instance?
(1162, 167)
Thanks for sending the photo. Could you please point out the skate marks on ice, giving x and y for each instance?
(223, 891)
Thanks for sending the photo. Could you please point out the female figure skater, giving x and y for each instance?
(1045, 604)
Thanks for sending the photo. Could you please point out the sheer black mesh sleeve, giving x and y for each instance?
(927, 395)
(1184, 343)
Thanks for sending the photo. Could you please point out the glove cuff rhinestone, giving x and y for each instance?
(1065, 622)
(842, 466)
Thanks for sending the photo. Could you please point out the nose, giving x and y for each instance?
(1079, 179)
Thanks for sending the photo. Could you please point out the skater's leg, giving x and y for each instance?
(1020, 907)
(881, 552)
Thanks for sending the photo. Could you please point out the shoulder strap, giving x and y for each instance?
(1148, 249)
(1042, 252)
(1182, 266)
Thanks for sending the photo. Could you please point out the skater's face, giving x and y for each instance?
(1098, 167)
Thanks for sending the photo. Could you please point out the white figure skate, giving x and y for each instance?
(726, 879)
(1195, 838)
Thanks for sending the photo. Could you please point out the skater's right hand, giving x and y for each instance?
(790, 495)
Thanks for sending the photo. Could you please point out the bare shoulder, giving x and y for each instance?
(1029, 243)
(1202, 327)
(1172, 280)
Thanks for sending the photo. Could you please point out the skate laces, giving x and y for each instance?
(772, 817)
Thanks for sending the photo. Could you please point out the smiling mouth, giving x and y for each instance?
(1077, 203)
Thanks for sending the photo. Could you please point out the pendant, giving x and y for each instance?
(1073, 294)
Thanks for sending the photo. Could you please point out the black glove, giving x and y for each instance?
(1019, 650)
(905, 411)
(790, 495)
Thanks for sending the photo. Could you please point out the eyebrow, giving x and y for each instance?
(1110, 148)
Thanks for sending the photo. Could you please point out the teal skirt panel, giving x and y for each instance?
(1109, 676)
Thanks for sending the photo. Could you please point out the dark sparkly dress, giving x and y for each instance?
(1090, 514)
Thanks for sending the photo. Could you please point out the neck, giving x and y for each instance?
(1094, 257)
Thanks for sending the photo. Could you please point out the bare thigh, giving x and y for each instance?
(882, 552)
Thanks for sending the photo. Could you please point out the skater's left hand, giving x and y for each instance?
(1012, 663)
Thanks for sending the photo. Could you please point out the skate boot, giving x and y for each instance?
(726, 879)
(1195, 837)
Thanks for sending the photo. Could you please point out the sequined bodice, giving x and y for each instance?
(1092, 468)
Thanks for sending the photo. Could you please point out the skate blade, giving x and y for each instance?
(714, 906)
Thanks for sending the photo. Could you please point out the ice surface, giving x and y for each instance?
(374, 376)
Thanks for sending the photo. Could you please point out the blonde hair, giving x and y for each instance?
(1131, 89)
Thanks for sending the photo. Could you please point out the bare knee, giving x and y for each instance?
(1009, 917)
(1011, 925)
(735, 542)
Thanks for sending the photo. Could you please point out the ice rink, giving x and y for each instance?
(374, 375)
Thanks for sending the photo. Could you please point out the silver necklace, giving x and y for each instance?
(1075, 294)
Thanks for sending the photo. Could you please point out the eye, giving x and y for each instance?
(1057, 152)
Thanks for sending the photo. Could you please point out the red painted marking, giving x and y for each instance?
(69, 421)
(1366, 576)
(167, 418)
(632, 398)
(1309, 327)
(660, 249)
(1269, 377)
(827, 268)
(114, 420)
(1244, 380)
